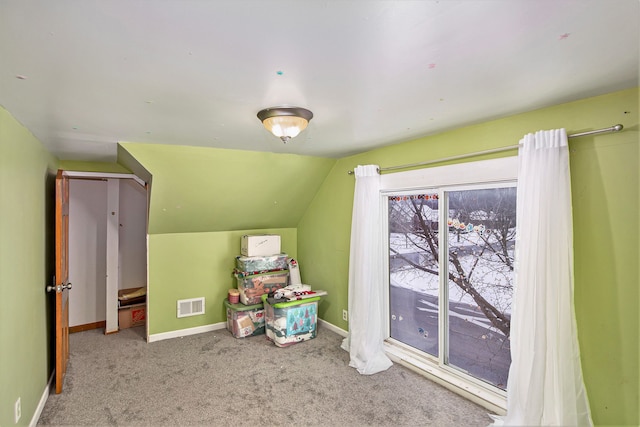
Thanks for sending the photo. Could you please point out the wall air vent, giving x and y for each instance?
(190, 307)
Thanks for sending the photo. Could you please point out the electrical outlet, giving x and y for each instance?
(17, 411)
(345, 315)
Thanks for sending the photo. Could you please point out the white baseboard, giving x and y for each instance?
(43, 401)
(222, 325)
(332, 327)
(185, 332)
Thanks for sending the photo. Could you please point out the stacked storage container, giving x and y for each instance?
(288, 316)
(261, 269)
(244, 320)
(258, 275)
(291, 322)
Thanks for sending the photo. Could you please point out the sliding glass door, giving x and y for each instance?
(451, 260)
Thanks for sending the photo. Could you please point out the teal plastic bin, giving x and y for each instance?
(291, 322)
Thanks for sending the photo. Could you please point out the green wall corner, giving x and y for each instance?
(27, 177)
(605, 194)
(105, 167)
(200, 189)
(193, 265)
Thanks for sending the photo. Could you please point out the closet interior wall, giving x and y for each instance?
(89, 211)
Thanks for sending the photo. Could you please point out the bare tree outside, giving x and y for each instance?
(480, 245)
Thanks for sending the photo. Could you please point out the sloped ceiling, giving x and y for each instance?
(85, 75)
(198, 189)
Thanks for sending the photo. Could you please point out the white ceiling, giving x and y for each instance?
(84, 75)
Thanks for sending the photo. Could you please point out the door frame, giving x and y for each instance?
(457, 175)
(111, 324)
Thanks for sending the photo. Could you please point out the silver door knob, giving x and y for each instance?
(59, 288)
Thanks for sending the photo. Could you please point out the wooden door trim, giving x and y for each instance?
(62, 276)
(87, 327)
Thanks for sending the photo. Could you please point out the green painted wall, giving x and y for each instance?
(192, 265)
(202, 201)
(199, 189)
(27, 173)
(605, 191)
(129, 162)
(323, 243)
(106, 167)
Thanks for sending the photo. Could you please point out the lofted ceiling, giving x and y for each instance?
(85, 75)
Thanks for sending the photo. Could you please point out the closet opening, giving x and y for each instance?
(107, 252)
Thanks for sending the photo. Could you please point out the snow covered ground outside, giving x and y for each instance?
(480, 259)
(492, 278)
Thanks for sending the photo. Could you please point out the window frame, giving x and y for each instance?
(495, 173)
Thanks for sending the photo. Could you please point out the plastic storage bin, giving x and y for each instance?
(291, 322)
(253, 285)
(245, 320)
(262, 263)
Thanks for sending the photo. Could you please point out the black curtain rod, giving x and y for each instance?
(615, 128)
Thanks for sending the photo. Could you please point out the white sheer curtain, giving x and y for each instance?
(545, 384)
(366, 285)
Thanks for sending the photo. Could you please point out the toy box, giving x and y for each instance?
(253, 285)
(260, 245)
(244, 320)
(291, 322)
(262, 263)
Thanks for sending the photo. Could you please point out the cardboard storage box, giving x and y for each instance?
(244, 320)
(253, 286)
(291, 322)
(131, 296)
(132, 315)
(262, 263)
(260, 245)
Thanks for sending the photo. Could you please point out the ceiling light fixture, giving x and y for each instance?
(285, 122)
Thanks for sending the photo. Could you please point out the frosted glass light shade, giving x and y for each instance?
(285, 126)
(285, 122)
